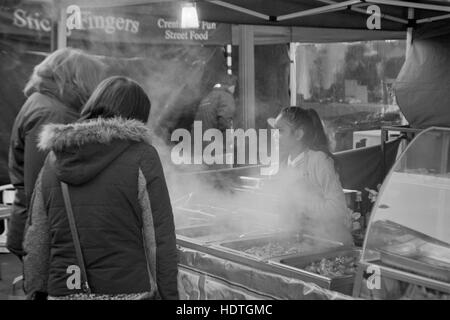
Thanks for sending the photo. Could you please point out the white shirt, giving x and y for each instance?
(319, 195)
(297, 160)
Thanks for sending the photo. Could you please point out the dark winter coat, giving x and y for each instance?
(121, 207)
(216, 110)
(25, 160)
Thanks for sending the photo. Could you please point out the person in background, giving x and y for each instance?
(314, 198)
(119, 198)
(56, 91)
(217, 109)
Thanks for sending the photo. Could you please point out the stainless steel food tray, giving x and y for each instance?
(312, 244)
(210, 233)
(343, 284)
(185, 217)
(416, 264)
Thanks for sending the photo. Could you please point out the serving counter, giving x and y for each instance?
(233, 253)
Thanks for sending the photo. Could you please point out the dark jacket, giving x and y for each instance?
(25, 160)
(216, 110)
(121, 206)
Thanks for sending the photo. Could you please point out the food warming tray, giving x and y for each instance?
(343, 284)
(311, 244)
(208, 233)
(421, 255)
(415, 261)
(186, 217)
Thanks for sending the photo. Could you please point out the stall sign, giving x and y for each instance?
(171, 31)
(109, 24)
(124, 27)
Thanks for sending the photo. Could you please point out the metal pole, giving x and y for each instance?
(437, 18)
(59, 29)
(54, 35)
(409, 39)
(409, 31)
(240, 9)
(409, 4)
(384, 139)
(54, 31)
(247, 75)
(293, 73)
(323, 9)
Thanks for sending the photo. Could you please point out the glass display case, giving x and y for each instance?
(406, 252)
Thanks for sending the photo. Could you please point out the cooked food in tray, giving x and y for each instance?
(280, 244)
(334, 267)
(279, 248)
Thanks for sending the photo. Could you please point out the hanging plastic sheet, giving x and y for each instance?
(422, 87)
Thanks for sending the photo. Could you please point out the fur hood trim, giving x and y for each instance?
(57, 137)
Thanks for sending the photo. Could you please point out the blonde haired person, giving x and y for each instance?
(56, 91)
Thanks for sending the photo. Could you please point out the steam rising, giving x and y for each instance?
(176, 78)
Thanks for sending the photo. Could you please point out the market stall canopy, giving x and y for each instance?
(303, 20)
(290, 20)
(334, 14)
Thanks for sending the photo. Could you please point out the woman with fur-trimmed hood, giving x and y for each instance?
(119, 198)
